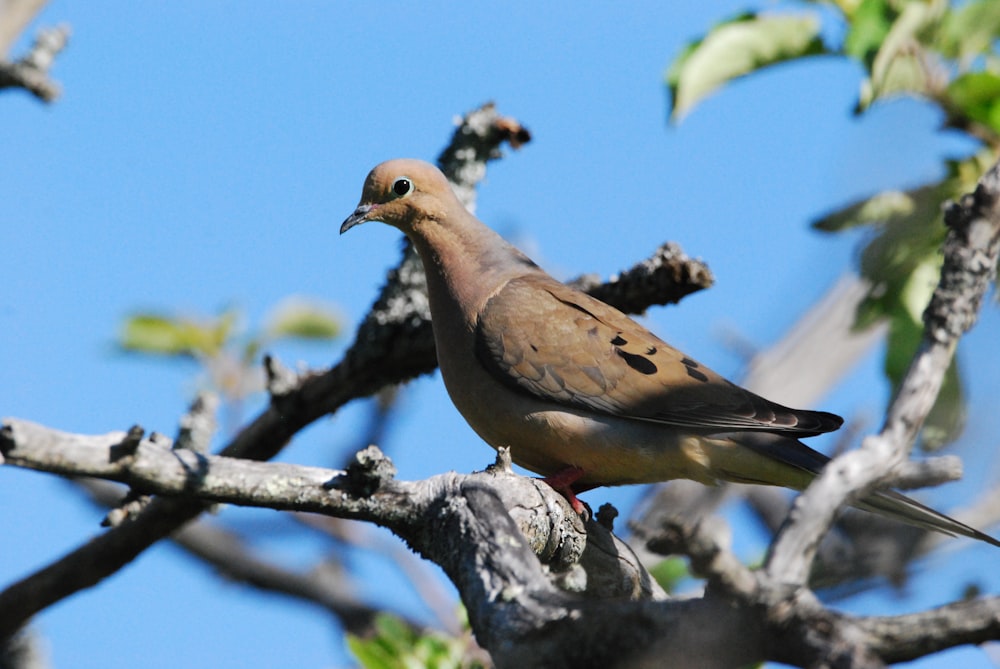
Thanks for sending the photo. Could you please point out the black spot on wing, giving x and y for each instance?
(696, 375)
(618, 341)
(651, 350)
(637, 362)
(692, 370)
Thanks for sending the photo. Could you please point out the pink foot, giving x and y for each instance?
(562, 482)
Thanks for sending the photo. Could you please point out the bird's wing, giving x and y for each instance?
(544, 338)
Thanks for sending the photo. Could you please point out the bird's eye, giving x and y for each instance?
(402, 186)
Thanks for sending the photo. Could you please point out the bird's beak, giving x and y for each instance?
(359, 216)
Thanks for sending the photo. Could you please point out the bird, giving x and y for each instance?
(576, 390)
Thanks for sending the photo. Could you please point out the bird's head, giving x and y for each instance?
(403, 193)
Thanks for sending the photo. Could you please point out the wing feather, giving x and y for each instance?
(569, 348)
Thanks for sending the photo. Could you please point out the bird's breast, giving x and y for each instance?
(544, 436)
(547, 438)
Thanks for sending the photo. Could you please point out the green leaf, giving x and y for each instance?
(901, 343)
(976, 95)
(298, 318)
(668, 573)
(970, 30)
(947, 417)
(848, 7)
(148, 333)
(395, 645)
(902, 62)
(870, 311)
(965, 174)
(868, 27)
(919, 286)
(877, 209)
(735, 48)
(900, 261)
(908, 230)
(370, 653)
(394, 631)
(165, 335)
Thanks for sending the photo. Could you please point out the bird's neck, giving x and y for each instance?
(465, 267)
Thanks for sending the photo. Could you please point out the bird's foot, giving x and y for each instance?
(562, 482)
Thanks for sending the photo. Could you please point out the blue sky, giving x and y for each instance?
(204, 155)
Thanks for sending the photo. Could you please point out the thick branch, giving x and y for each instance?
(460, 522)
(153, 468)
(486, 530)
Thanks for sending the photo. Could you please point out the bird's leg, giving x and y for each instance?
(562, 482)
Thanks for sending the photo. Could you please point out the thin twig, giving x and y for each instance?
(31, 72)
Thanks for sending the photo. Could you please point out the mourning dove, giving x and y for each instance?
(577, 390)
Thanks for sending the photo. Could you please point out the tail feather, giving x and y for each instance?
(900, 507)
(889, 503)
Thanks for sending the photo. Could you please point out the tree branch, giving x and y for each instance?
(460, 522)
(364, 492)
(908, 637)
(31, 72)
(153, 468)
(488, 531)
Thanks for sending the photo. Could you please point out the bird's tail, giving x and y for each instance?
(889, 503)
(896, 505)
